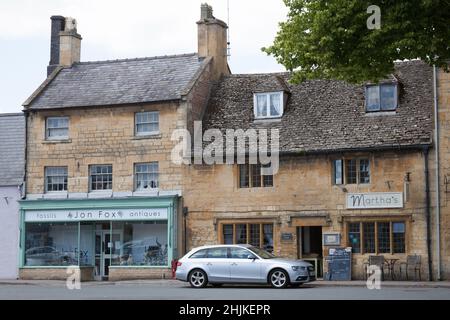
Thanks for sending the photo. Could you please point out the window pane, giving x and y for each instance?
(369, 237)
(139, 243)
(372, 98)
(51, 244)
(55, 179)
(350, 171)
(364, 171)
(354, 237)
(254, 235)
(241, 233)
(244, 175)
(388, 97)
(384, 244)
(398, 234)
(267, 179)
(146, 175)
(228, 234)
(256, 175)
(147, 122)
(101, 177)
(268, 237)
(239, 253)
(337, 172)
(217, 253)
(200, 254)
(275, 105)
(261, 105)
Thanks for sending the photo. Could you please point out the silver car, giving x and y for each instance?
(221, 264)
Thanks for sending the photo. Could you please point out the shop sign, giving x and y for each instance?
(96, 215)
(375, 200)
(331, 239)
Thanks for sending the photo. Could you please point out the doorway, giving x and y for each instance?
(310, 246)
(107, 247)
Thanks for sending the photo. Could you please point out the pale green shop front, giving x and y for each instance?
(126, 238)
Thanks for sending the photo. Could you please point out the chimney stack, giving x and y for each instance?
(212, 40)
(65, 43)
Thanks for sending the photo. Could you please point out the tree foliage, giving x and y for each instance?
(330, 38)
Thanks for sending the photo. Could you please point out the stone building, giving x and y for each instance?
(102, 192)
(357, 164)
(12, 174)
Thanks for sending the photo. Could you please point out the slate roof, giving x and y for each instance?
(327, 115)
(12, 149)
(115, 82)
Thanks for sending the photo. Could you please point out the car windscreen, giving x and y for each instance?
(262, 253)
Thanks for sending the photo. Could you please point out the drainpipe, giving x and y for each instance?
(428, 211)
(438, 193)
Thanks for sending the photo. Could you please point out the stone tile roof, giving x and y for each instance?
(12, 149)
(327, 115)
(115, 82)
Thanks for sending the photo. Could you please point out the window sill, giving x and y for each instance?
(266, 120)
(57, 141)
(149, 136)
(380, 113)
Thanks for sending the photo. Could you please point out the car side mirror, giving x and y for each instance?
(250, 256)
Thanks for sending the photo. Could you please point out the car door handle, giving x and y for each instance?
(234, 264)
(209, 264)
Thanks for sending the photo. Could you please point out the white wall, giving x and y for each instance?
(9, 232)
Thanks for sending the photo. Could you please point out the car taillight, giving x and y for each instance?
(178, 263)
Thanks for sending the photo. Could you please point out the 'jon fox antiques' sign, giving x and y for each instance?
(375, 200)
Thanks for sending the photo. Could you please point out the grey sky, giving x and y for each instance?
(114, 29)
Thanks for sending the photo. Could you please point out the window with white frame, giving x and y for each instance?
(146, 123)
(55, 179)
(268, 105)
(381, 97)
(57, 128)
(100, 177)
(146, 176)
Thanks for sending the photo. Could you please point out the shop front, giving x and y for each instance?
(106, 239)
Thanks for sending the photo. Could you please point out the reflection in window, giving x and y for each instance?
(369, 237)
(142, 244)
(354, 236)
(55, 179)
(384, 243)
(250, 230)
(146, 175)
(51, 244)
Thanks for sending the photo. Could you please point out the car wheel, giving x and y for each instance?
(217, 285)
(279, 279)
(198, 278)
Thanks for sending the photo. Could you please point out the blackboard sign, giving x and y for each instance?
(286, 236)
(339, 264)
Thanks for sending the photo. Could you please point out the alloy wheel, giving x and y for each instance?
(278, 279)
(197, 279)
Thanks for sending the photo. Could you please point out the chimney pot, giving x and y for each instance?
(206, 12)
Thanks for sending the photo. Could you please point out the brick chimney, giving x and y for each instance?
(65, 43)
(212, 40)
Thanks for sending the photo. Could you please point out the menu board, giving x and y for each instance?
(339, 264)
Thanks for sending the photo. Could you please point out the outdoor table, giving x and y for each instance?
(390, 262)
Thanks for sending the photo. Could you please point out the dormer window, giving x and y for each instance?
(268, 105)
(381, 97)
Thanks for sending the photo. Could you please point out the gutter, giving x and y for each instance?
(438, 191)
(428, 211)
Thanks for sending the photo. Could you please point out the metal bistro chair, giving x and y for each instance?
(375, 261)
(413, 263)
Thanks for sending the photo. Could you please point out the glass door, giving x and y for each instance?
(107, 246)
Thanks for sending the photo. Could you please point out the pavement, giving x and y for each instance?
(176, 283)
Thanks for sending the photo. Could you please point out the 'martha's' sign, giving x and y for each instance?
(375, 200)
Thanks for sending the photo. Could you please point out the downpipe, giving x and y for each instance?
(428, 212)
(437, 164)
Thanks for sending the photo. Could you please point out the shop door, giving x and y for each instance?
(309, 246)
(106, 252)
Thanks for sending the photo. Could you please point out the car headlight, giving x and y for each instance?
(296, 268)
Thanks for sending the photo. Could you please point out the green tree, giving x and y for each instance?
(331, 39)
